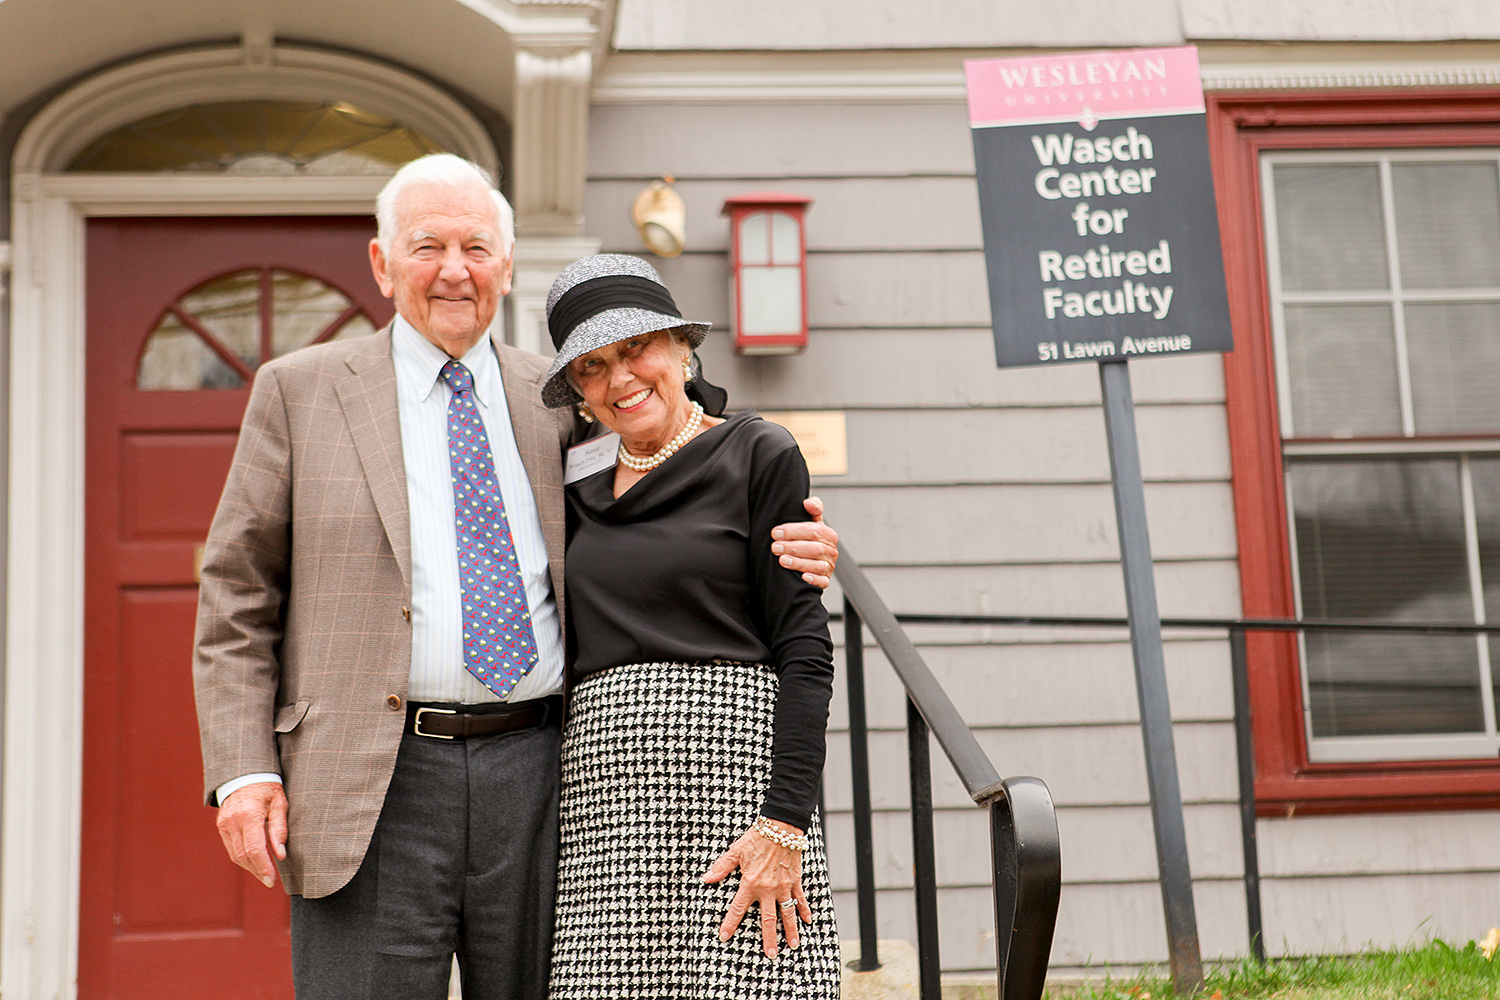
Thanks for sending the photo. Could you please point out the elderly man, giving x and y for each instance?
(379, 662)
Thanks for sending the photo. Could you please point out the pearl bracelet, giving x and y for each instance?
(791, 841)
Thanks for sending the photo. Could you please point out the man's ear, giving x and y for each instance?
(510, 262)
(378, 267)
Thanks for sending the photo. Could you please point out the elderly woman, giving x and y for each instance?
(695, 737)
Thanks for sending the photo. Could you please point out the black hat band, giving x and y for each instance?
(611, 291)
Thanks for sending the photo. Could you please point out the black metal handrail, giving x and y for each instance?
(1248, 624)
(1025, 853)
(1239, 668)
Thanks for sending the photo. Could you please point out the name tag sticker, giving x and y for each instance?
(594, 455)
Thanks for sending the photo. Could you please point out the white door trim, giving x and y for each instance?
(44, 608)
(43, 674)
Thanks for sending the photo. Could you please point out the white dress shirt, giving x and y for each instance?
(438, 673)
(437, 651)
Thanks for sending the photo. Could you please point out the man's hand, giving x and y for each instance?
(252, 824)
(808, 547)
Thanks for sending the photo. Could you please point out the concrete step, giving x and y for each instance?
(896, 979)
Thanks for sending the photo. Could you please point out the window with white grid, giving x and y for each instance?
(1384, 274)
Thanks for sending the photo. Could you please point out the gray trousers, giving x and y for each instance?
(463, 862)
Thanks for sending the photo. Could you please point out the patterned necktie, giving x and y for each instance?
(499, 645)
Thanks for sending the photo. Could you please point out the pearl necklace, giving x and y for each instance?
(652, 461)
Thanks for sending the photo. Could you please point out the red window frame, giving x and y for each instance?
(1240, 127)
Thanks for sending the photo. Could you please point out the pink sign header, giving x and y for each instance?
(1084, 87)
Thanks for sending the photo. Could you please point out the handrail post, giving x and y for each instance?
(1005, 879)
(924, 854)
(1239, 665)
(1024, 830)
(1026, 860)
(859, 766)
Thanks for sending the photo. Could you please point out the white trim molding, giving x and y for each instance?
(210, 194)
(923, 78)
(782, 78)
(552, 23)
(902, 85)
(1350, 76)
(43, 672)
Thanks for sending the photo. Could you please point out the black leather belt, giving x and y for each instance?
(461, 722)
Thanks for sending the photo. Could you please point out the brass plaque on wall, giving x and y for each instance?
(820, 435)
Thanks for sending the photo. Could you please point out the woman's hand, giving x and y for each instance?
(769, 875)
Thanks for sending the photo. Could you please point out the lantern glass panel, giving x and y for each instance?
(755, 239)
(770, 301)
(786, 244)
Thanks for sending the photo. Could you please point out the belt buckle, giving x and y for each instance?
(416, 722)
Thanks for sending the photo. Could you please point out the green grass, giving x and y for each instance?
(1432, 971)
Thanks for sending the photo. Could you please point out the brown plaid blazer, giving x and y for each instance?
(303, 646)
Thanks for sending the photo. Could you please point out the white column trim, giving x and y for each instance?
(549, 141)
(43, 769)
(538, 262)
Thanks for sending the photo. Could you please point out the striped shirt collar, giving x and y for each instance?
(423, 361)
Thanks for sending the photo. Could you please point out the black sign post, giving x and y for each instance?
(1102, 244)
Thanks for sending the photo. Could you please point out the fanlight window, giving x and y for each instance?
(218, 334)
(256, 137)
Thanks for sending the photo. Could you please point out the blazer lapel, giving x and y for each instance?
(368, 396)
(523, 399)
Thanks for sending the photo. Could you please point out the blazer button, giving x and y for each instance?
(393, 702)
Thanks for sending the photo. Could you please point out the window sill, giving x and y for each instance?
(1417, 786)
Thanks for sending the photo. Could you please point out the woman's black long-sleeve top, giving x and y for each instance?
(679, 569)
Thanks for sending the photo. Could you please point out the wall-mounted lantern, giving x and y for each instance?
(768, 286)
(660, 217)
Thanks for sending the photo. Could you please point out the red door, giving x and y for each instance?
(180, 313)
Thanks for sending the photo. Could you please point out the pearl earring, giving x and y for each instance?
(687, 370)
(586, 413)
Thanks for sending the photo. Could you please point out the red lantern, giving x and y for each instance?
(768, 288)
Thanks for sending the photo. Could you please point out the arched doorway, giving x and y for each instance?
(109, 866)
(179, 312)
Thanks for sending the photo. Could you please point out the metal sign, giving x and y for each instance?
(1100, 230)
(1102, 244)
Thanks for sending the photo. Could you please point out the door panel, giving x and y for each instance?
(153, 832)
(170, 483)
(162, 911)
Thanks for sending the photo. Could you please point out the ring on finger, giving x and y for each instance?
(787, 904)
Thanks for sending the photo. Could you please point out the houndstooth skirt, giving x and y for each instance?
(663, 767)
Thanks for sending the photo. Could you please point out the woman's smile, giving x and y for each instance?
(633, 400)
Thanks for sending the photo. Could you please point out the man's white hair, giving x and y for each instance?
(439, 168)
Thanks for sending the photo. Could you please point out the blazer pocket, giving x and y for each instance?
(289, 716)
